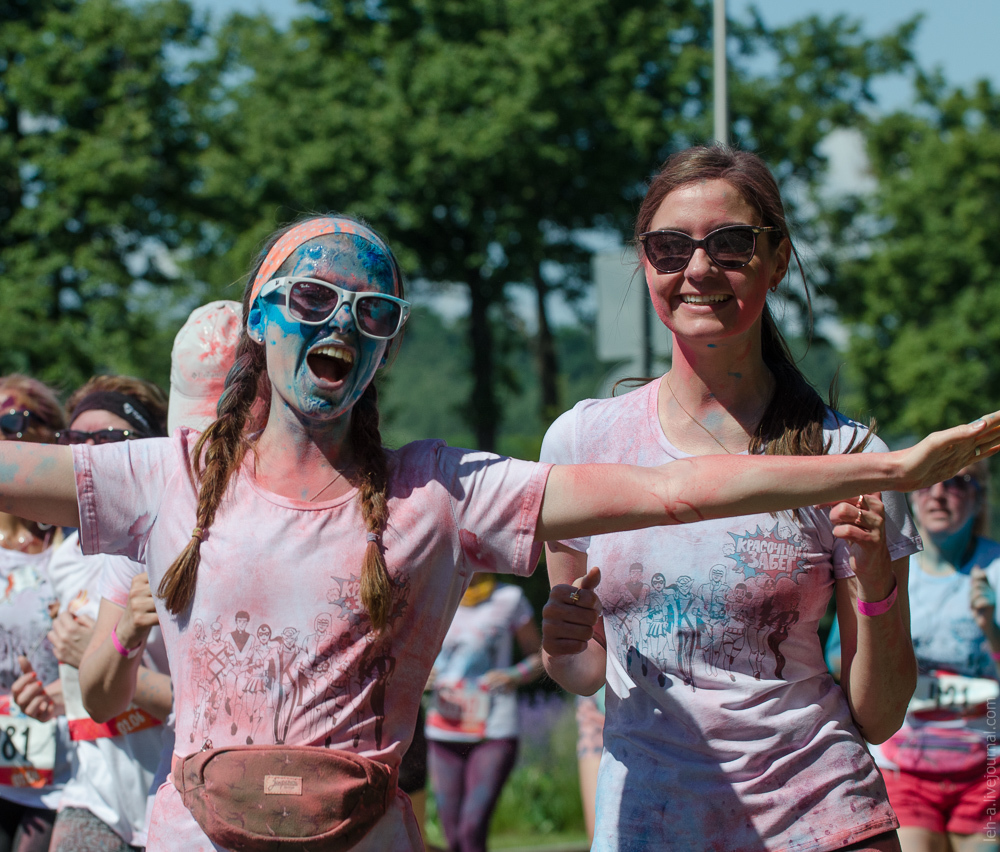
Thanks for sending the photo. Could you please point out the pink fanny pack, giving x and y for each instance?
(282, 798)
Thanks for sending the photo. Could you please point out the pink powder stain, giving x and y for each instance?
(475, 552)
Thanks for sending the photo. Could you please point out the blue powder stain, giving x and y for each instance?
(736, 375)
(711, 346)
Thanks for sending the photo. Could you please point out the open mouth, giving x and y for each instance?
(692, 299)
(330, 363)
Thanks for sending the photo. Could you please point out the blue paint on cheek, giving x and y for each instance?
(736, 375)
(711, 346)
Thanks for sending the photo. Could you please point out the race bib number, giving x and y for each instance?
(82, 727)
(460, 709)
(940, 695)
(27, 748)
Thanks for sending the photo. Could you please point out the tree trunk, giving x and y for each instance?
(548, 360)
(484, 410)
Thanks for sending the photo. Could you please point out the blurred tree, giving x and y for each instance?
(96, 158)
(921, 295)
(483, 137)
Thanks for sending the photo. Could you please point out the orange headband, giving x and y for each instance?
(304, 232)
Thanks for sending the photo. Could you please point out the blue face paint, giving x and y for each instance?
(322, 371)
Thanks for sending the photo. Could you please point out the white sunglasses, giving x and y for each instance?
(312, 302)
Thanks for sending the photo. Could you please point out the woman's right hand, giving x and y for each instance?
(570, 615)
(943, 454)
(139, 616)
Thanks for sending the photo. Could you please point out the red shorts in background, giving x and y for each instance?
(955, 804)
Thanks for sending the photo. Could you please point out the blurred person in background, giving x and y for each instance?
(472, 721)
(936, 766)
(103, 804)
(35, 758)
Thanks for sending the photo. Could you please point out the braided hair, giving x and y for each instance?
(222, 447)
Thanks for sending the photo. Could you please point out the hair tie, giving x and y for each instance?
(198, 533)
(374, 537)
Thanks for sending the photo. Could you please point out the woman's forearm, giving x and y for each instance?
(584, 500)
(154, 693)
(879, 670)
(580, 674)
(37, 482)
(108, 681)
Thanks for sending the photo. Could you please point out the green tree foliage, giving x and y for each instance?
(482, 137)
(922, 295)
(95, 154)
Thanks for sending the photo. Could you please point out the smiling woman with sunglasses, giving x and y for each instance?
(306, 575)
(719, 706)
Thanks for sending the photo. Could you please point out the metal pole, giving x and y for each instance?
(720, 93)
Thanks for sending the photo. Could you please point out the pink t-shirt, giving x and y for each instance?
(276, 647)
(724, 730)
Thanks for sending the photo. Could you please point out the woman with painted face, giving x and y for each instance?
(288, 508)
(34, 756)
(103, 804)
(937, 766)
(731, 724)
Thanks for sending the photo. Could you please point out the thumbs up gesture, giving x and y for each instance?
(570, 615)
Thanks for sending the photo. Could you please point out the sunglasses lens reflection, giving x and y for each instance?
(378, 317)
(312, 302)
(733, 246)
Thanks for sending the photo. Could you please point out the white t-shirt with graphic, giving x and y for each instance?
(112, 773)
(276, 647)
(724, 729)
(34, 756)
(480, 639)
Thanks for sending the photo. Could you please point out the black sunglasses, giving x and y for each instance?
(101, 436)
(957, 484)
(17, 421)
(731, 247)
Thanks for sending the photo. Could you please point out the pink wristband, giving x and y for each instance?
(995, 655)
(127, 653)
(878, 607)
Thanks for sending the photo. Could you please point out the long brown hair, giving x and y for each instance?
(220, 451)
(792, 424)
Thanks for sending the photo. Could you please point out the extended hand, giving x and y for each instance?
(943, 454)
(569, 616)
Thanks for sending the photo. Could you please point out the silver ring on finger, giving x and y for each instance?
(978, 452)
(575, 596)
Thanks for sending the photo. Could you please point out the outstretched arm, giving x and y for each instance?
(37, 483)
(583, 500)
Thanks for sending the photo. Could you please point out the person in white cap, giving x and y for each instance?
(202, 355)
